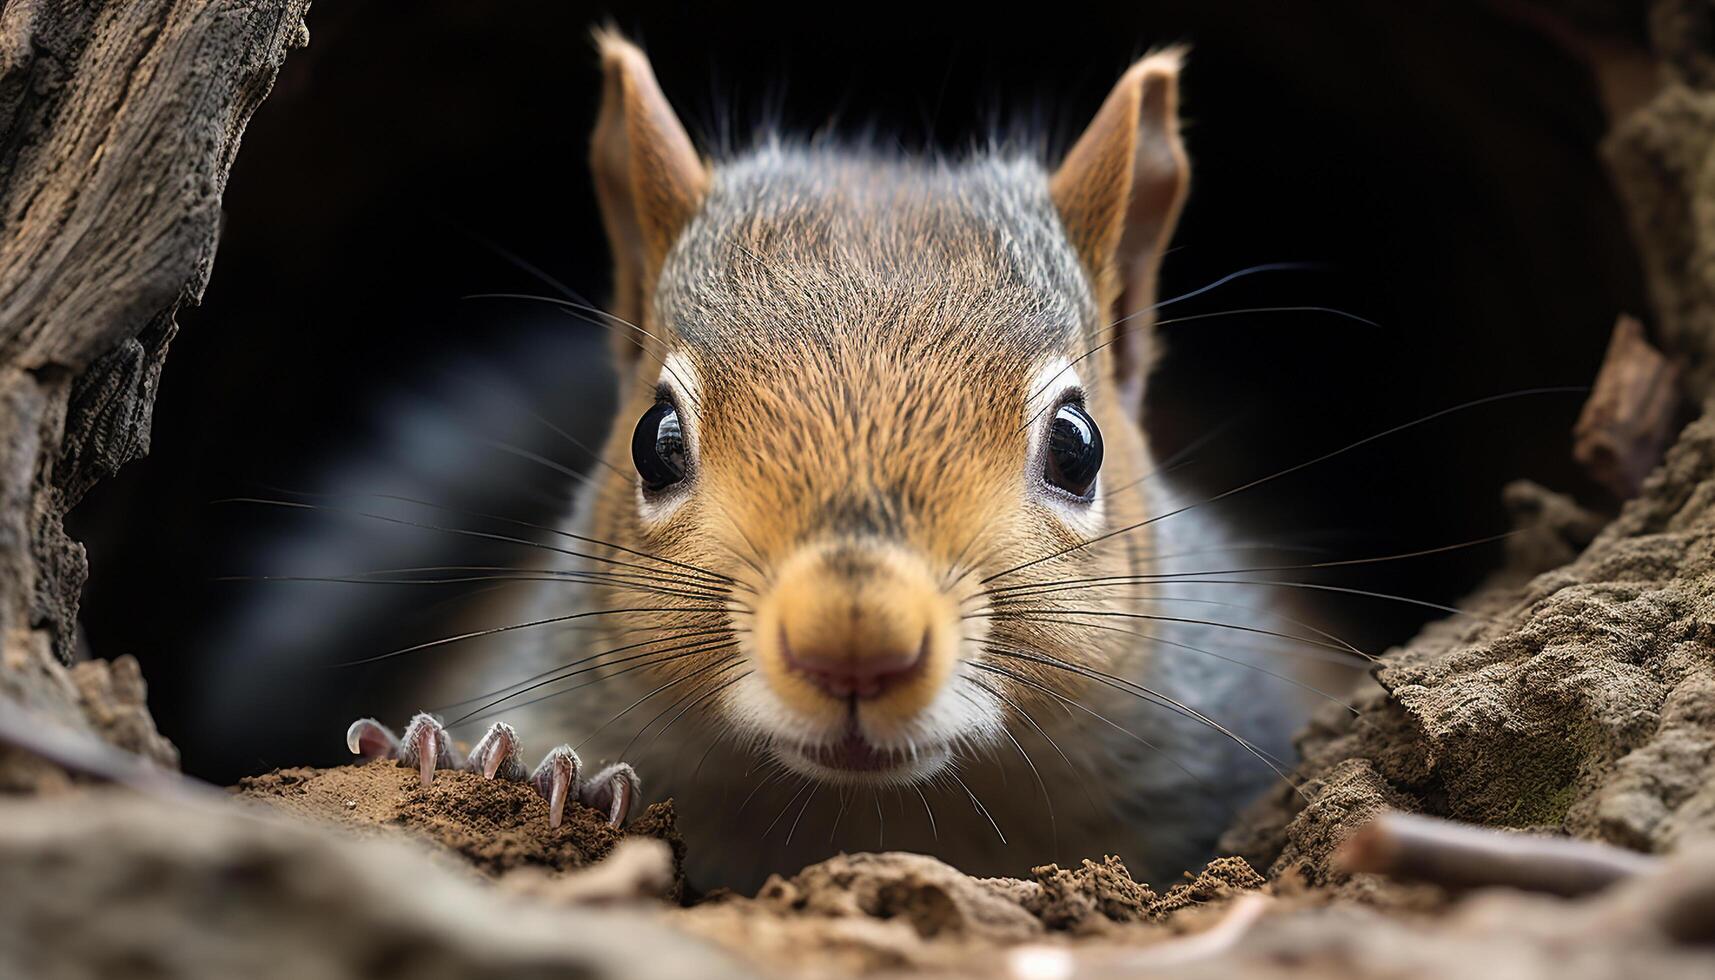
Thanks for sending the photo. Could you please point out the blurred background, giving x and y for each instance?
(1435, 162)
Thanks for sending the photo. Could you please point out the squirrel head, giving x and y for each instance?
(872, 400)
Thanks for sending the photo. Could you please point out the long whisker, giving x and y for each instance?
(1029, 720)
(583, 479)
(1142, 692)
(1048, 800)
(1045, 616)
(483, 535)
(1182, 297)
(499, 518)
(660, 657)
(474, 634)
(1463, 406)
(806, 785)
(801, 810)
(591, 310)
(683, 711)
(928, 811)
(619, 583)
(1069, 704)
(659, 689)
(695, 692)
(1196, 575)
(1149, 695)
(523, 405)
(1117, 335)
(978, 804)
(1190, 648)
(553, 673)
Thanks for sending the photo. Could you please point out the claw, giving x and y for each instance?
(554, 779)
(371, 739)
(496, 753)
(613, 789)
(426, 745)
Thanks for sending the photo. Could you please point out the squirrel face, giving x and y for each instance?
(863, 395)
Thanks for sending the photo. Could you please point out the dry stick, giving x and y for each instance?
(1418, 848)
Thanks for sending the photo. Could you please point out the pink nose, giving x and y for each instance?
(844, 670)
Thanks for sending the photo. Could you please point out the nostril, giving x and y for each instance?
(846, 670)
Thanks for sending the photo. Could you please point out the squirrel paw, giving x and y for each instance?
(426, 747)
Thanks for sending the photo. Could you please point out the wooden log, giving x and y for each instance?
(118, 126)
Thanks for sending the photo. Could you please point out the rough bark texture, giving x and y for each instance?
(1663, 160)
(1580, 700)
(118, 124)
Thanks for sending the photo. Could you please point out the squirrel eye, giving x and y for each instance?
(658, 447)
(1074, 451)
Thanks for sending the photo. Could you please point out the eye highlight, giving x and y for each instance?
(1074, 451)
(658, 447)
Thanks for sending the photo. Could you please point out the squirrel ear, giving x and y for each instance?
(1119, 193)
(649, 180)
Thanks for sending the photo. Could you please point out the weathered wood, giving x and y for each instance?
(1459, 856)
(118, 125)
(1624, 427)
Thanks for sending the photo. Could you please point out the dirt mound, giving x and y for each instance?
(120, 884)
(496, 825)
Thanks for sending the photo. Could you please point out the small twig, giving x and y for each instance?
(1454, 855)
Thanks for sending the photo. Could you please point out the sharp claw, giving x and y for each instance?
(614, 788)
(557, 802)
(354, 735)
(496, 753)
(621, 807)
(371, 739)
(555, 779)
(425, 743)
(427, 750)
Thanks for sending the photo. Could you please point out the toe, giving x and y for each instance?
(425, 745)
(371, 739)
(614, 790)
(555, 778)
(497, 754)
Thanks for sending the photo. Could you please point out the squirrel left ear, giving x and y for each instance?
(1119, 193)
(649, 180)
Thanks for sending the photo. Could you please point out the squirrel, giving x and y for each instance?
(892, 563)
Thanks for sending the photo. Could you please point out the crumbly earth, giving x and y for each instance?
(1579, 701)
(496, 825)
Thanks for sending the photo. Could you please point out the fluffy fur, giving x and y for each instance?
(865, 352)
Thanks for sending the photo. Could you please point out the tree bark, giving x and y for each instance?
(118, 125)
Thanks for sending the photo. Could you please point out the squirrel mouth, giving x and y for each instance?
(854, 753)
(850, 757)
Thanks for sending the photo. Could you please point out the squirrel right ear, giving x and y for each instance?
(1119, 192)
(649, 180)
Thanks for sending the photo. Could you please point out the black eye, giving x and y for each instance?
(658, 447)
(1074, 451)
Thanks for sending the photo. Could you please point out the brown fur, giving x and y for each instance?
(854, 342)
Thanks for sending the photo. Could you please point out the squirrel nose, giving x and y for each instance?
(845, 667)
